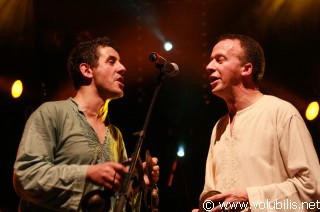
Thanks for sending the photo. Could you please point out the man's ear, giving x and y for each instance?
(246, 70)
(85, 70)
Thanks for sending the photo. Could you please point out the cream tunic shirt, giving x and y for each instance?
(270, 153)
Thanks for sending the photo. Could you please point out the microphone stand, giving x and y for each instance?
(125, 186)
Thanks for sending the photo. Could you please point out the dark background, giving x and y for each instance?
(36, 37)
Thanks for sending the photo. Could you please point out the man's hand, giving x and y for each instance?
(153, 176)
(107, 174)
(236, 198)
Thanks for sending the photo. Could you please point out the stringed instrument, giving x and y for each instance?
(151, 196)
(100, 200)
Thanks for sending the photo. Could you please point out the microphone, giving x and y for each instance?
(165, 66)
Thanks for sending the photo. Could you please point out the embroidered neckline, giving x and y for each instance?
(101, 152)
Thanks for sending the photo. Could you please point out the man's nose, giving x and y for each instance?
(122, 69)
(210, 67)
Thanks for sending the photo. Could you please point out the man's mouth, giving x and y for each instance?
(213, 79)
(120, 79)
(121, 82)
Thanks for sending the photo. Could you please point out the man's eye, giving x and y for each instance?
(221, 60)
(111, 61)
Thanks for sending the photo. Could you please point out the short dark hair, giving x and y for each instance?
(253, 53)
(86, 52)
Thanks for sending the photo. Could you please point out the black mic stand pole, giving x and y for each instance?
(125, 186)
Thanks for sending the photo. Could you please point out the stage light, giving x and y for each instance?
(17, 13)
(16, 89)
(167, 46)
(312, 110)
(180, 152)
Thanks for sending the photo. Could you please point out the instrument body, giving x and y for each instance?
(100, 200)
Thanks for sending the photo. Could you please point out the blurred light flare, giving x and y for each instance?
(284, 10)
(167, 46)
(17, 89)
(180, 152)
(16, 15)
(312, 111)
